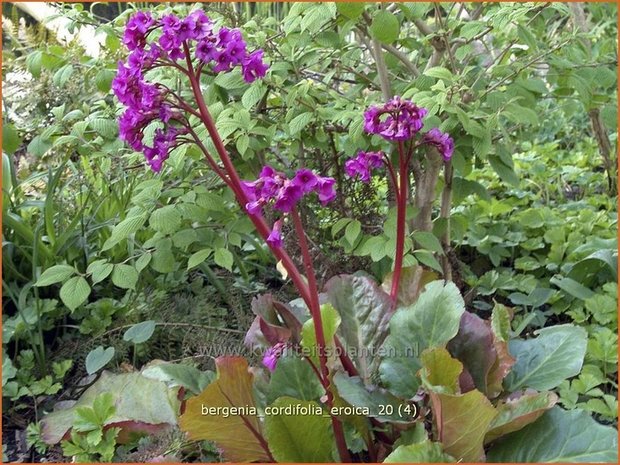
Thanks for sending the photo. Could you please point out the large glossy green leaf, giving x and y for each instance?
(294, 377)
(559, 436)
(431, 322)
(440, 372)
(375, 399)
(422, 452)
(298, 437)
(55, 274)
(365, 311)
(544, 362)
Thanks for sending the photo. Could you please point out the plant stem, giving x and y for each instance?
(401, 211)
(309, 292)
(315, 311)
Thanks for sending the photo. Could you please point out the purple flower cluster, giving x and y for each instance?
(397, 120)
(363, 164)
(146, 102)
(227, 49)
(273, 187)
(443, 142)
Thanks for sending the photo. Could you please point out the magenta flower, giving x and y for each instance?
(205, 50)
(363, 164)
(200, 25)
(253, 66)
(306, 180)
(271, 356)
(288, 196)
(270, 359)
(443, 142)
(136, 29)
(275, 237)
(273, 187)
(326, 190)
(397, 120)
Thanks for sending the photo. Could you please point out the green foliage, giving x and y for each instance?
(298, 438)
(559, 436)
(431, 322)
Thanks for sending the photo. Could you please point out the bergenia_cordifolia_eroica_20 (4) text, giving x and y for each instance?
(195, 46)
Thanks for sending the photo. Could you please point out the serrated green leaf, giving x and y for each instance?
(124, 276)
(55, 274)
(198, 257)
(352, 232)
(108, 128)
(428, 241)
(253, 95)
(298, 123)
(103, 80)
(224, 258)
(99, 270)
(124, 229)
(385, 27)
(62, 75)
(38, 146)
(166, 220)
(440, 72)
(143, 261)
(350, 10)
(74, 292)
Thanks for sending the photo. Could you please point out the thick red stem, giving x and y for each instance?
(401, 213)
(315, 311)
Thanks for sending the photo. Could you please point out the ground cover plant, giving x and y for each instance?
(364, 234)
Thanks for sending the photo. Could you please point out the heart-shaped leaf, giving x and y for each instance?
(421, 452)
(98, 358)
(140, 332)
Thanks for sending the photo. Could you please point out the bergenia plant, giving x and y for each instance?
(360, 371)
(398, 121)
